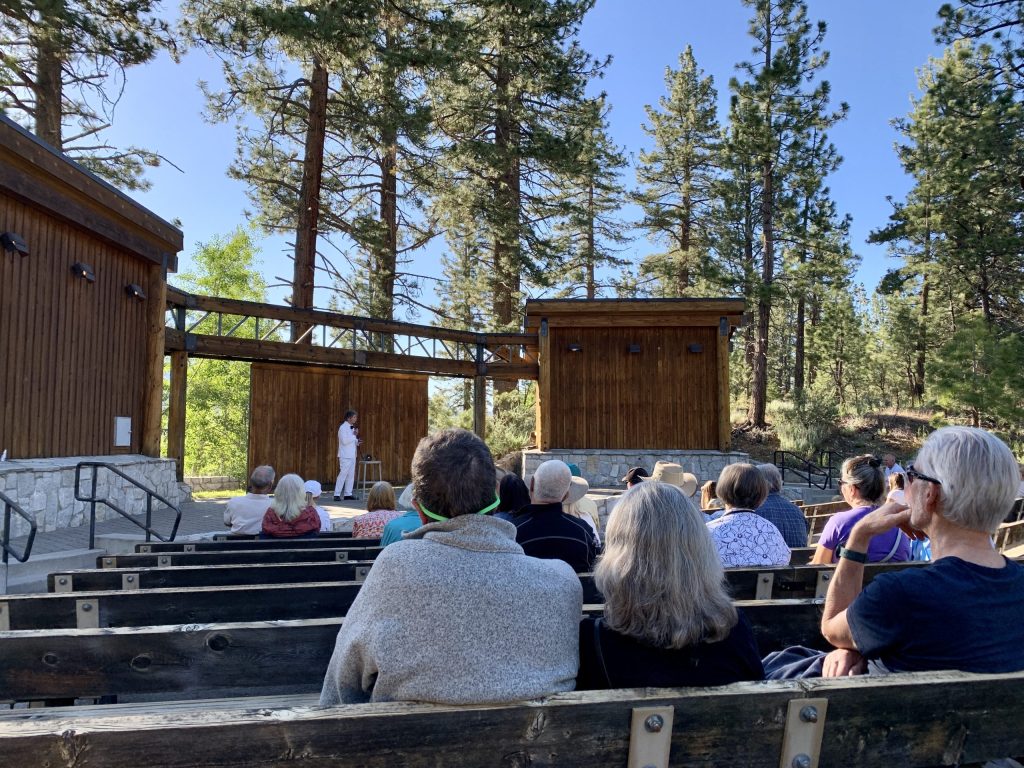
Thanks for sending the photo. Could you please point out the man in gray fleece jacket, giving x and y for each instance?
(456, 613)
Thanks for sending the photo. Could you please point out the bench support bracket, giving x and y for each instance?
(650, 737)
(805, 725)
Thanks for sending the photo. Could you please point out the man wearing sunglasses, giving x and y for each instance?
(964, 611)
(456, 613)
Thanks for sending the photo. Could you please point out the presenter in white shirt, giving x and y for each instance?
(348, 442)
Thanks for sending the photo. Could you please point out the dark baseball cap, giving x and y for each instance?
(634, 475)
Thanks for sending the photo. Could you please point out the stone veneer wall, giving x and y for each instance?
(213, 483)
(45, 488)
(605, 468)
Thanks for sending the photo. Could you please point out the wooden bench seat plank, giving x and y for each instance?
(313, 555)
(231, 658)
(910, 720)
(229, 545)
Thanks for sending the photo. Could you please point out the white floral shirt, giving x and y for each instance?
(744, 540)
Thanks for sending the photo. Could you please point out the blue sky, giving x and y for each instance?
(876, 49)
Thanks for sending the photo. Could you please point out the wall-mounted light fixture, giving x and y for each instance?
(12, 242)
(575, 348)
(633, 349)
(135, 291)
(85, 271)
(695, 349)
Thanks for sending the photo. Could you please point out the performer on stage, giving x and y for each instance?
(348, 441)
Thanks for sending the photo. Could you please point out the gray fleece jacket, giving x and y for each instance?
(455, 613)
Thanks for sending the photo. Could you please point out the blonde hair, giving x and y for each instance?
(865, 474)
(660, 574)
(708, 494)
(289, 497)
(381, 496)
(897, 481)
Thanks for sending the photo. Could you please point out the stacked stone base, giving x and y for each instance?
(45, 488)
(604, 468)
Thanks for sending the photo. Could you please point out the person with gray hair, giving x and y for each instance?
(668, 618)
(780, 511)
(290, 514)
(408, 521)
(543, 528)
(965, 610)
(456, 612)
(244, 514)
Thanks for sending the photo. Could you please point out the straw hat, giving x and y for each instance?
(577, 490)
(673, 474)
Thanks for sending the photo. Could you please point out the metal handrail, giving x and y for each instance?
(825, 467)
(10, 505)
(93, 501)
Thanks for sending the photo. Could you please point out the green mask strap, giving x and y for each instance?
(489, 508)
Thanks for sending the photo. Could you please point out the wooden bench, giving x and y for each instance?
(826, 508)
(256, 537)
(323, 599)
(239, 658)
(908, 720)
(251, 542)
(1009, 536)
(239, 557)
(745, 583)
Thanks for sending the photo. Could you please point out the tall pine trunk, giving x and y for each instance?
(49, 88)
(591, 281)
(764, 304)
(303, 279)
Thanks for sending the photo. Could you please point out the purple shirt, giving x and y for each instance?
(837, 531)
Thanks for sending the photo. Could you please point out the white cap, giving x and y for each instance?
(314, 487)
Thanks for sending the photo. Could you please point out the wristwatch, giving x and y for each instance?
(851, 554)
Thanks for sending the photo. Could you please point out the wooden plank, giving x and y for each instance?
(176, 412)
(153, 369)
(217, 658)
(941, 719)
(724, 406)
(310, 555)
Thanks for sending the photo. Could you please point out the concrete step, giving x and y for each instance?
(31, 576)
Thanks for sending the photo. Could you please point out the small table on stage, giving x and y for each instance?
(371, 472)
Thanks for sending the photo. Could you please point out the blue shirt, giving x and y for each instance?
(787, 517)
(393, 531)
(948, 615)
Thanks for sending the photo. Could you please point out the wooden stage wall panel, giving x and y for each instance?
(663, 397)
(295, 411)
(72, 353)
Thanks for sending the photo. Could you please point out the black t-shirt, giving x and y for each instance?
(949, 615)
(632, 663)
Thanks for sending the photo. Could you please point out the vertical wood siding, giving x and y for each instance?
(295, 411)
(664, 397)
(72, 353)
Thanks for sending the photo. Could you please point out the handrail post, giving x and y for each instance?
(7, 531)
(149, 516)
(92, 509)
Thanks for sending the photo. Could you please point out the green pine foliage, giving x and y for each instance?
(62, 71)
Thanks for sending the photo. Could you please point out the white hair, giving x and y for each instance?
(405, 500)
(771, 473)
(289, 497)
(262, 477)
(978, 472)
(551, 481)
(660, 573)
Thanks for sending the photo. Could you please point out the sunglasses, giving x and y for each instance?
(913, 474)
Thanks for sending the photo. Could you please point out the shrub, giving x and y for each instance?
(803, 424)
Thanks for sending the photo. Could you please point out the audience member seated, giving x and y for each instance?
(742, 536)
(634, 476)
(709, 497)
(380, 506)
(456, 613)
(964, 611)
(513, 496)
(897, 488)
(668, 619)
(313, 492)
(544, 530)
(289, 516)
(862, 485)
(673, 474)
(408, 521)
(578, 505)
(244, 514)
(780, 511)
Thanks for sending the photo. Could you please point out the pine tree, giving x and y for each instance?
(676, 177)
(1000, 22)
(62, 71)
(782, 109)
(592, 232)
